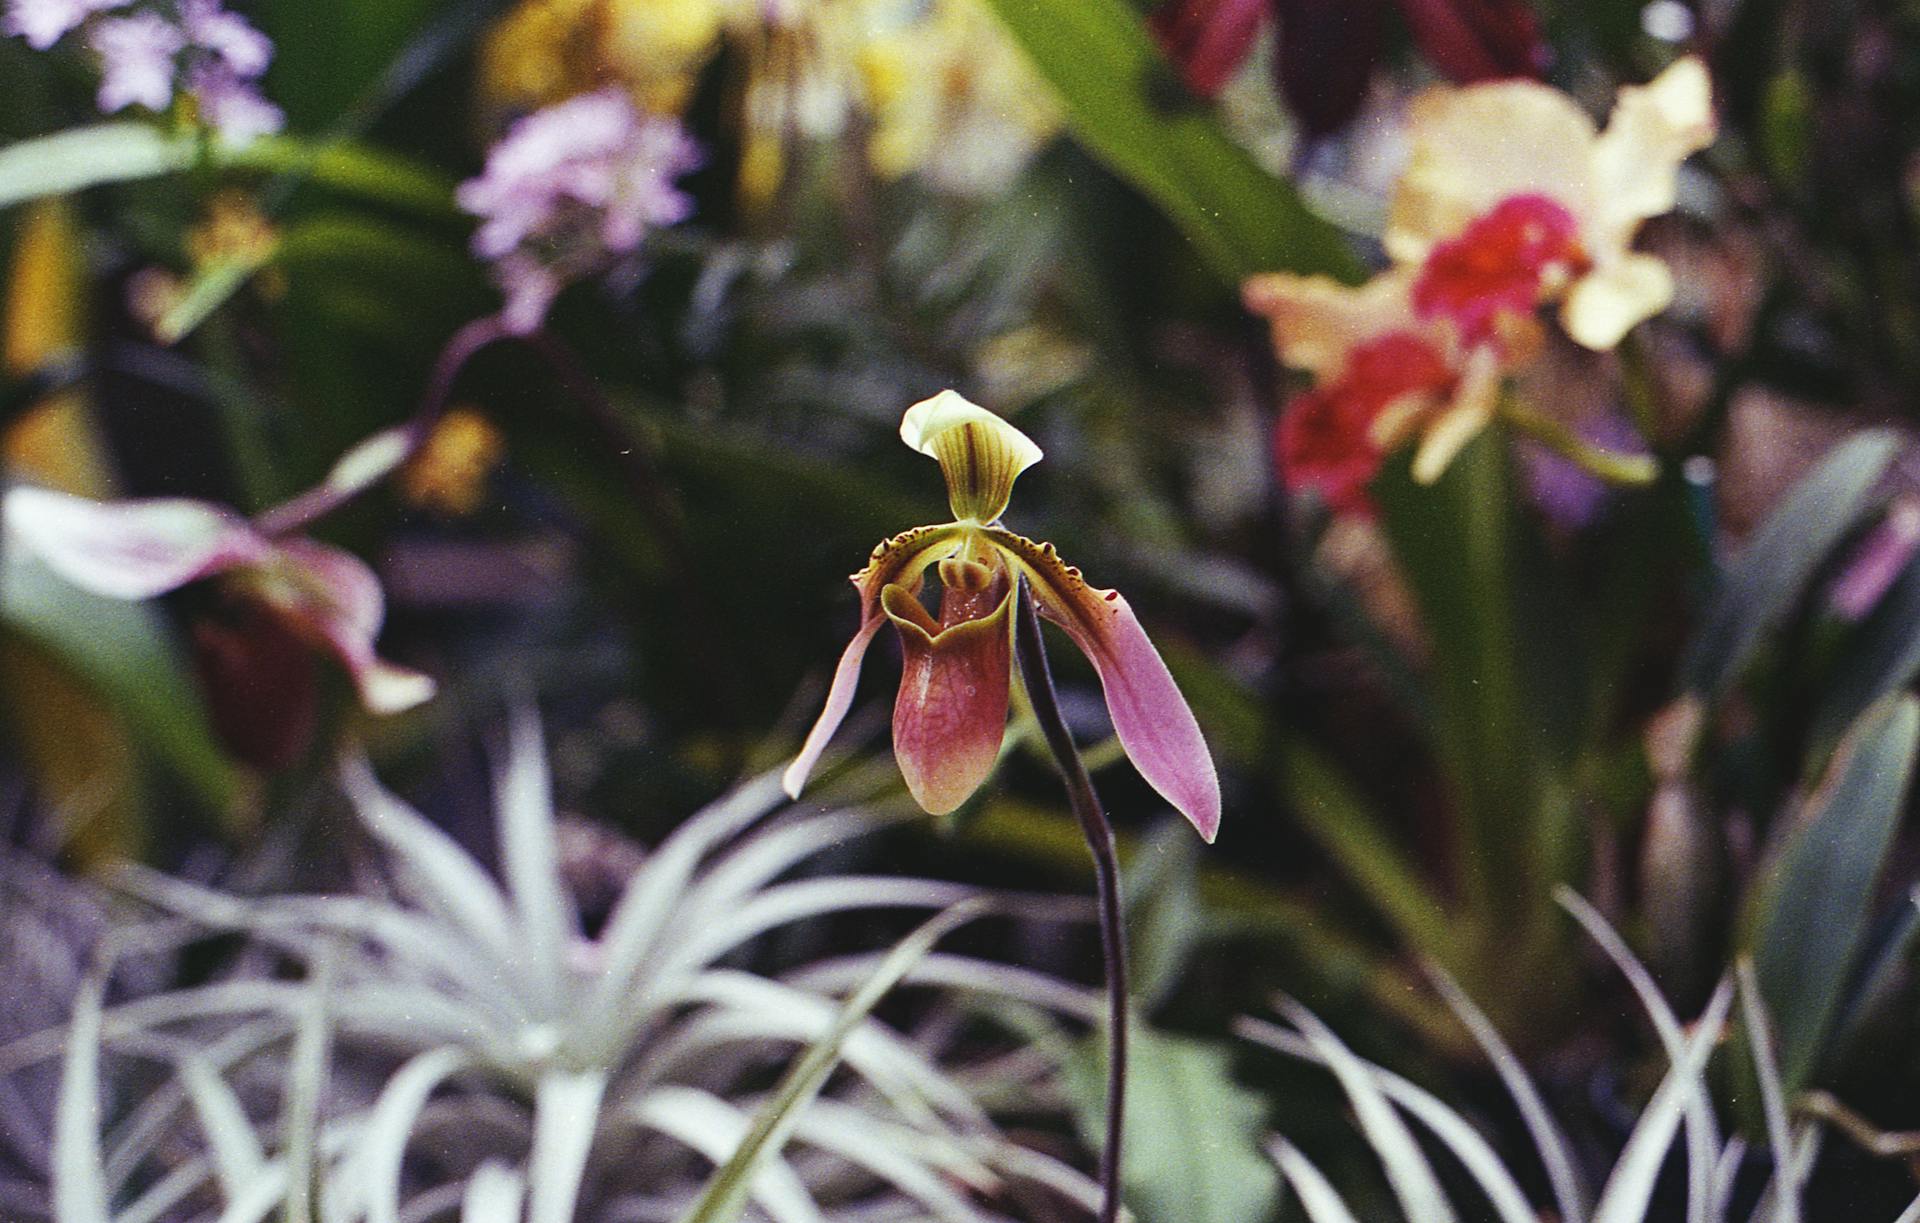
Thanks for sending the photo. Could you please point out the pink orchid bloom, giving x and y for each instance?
(139, 549)
(951, 713)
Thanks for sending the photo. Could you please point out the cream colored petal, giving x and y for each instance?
(979, 454)
(1472, 147)
(1654, 128)
(1615, 297)
(1317, 320)
(1471, 411)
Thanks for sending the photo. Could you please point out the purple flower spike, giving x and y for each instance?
(137, 56)
(232, 107)
(45, 22)
(570, 186)
(244, 50)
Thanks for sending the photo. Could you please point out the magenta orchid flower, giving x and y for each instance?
(139, 549)
(951, 713)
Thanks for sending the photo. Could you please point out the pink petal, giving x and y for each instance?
(1150, 716)
(952, 710)
(128, 549)
(338, 597)
(846, 678)
(899, 561)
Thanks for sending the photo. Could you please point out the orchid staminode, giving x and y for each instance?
(951, 712)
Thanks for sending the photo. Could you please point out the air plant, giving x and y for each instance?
(457, 1043)
(1679, 1108)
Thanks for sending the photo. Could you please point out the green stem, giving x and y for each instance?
(1610, 465)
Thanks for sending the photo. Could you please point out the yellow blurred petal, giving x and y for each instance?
(1472, 147)
(1317, 320)
(1654, 128)
(43, 292)
(1471, 411)
(1616, 296)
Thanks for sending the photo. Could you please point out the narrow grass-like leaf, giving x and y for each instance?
(79, 1175)
(439, 873)
(659, 886)
(1475, 1154)
(1773, 1100)
(84, 157)
(237, 1156)
(1408, 1172)
(726, 1193)
(716, 1129)
(1808, 915)
(1703, 1131)
(566, 1113)
(1317, 1195)
(524, 795)
(1767, 578)
(307, 1068)
(1630, 1187)
(382, 1147)
(1570, 1193)
(493, 1195)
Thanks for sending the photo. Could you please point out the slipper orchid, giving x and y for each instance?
(1382, 375)
(951, 713)
(139, 549)
(1512, 198)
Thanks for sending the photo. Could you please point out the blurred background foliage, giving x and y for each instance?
(1425, 723)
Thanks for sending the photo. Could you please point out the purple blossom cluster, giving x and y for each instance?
(149, 55)
(567, 188)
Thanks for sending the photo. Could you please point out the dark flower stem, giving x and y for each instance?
(1038, 677)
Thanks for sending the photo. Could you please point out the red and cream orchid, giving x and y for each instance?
(139, 549)
(951, 713)
(1511, 198)
(1383, 374)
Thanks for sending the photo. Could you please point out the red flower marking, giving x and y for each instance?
(1325, 437)
(1497, 264)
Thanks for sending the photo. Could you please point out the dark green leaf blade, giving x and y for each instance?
(1128, 107)
(1809, 911)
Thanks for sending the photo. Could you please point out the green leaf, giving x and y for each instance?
(1165, 919)
(1883, 657)
(725, 1195)
(84, 157)
(1808, 913)
(122, 650)
(1454, 540)
(1338, 818)
(1192, 1149)
(125, 151)
(1126, 104)
(1766, 580)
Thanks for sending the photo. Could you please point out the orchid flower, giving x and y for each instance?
(1382, 375)
(1511, 198)
(951, 713)
(139, 549)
